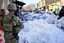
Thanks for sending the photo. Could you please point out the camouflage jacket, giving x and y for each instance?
(10, 21)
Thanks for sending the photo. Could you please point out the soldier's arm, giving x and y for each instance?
(21, 26)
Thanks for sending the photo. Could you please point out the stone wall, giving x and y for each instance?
(1, 2)
(4, 5)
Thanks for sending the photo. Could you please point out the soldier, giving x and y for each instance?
(11, 25)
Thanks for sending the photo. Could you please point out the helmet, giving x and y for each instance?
(11, 7)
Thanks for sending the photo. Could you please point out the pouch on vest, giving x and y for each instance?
(7, 27)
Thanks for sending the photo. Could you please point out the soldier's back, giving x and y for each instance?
(8, 29)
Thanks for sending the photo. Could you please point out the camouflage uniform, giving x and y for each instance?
(11, 25)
